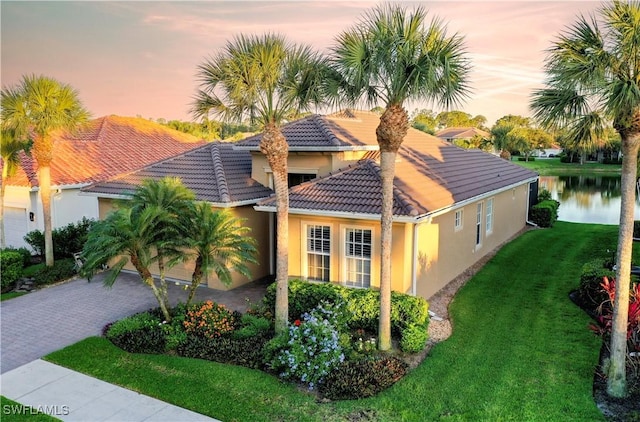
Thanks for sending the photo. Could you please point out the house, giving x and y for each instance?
(450, 134)
(451, 206)
(553, 150)
(105, 147)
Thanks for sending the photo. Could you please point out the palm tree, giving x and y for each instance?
(594, 66)
(10, 148)
(147, 230)
(264, 78)
(39, 108)
(391, 57)
(219, 243)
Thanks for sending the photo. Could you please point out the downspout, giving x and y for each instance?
(414, 264)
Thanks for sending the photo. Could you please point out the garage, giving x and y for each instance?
(15, 224)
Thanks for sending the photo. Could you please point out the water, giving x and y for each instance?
(587, 199)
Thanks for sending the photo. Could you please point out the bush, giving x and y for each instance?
(591, 277)
(544, 195)
(252, 326)
(525, 159)
(414, 338)
(236, 351)
(24, 253)
(636, 229)
(67, 240)
(360, 379)
(545, 213)
(209, 319)
(612, 161)
(140, 333)
(304, 296)
(62, 269)
(313, 348)
(11, 264)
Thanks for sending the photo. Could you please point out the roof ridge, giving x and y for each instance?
(218, 169)
(102, 125)
(323, 125)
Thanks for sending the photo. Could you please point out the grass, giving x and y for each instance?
(31, 270)
(553, 166)
(11, 295)
(15, 412)
(520, 350)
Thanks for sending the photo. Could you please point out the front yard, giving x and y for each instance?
(520, 350)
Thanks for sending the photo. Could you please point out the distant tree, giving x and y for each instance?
(424, 120)
(594, 66)
(500, 131)
(458, 118)
(10, 148)
(526, 140)
(476, 142)
(377, 110)
(513, 121)
(38, 109)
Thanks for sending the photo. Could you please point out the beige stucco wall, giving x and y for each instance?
(457, 250)
(259, 224)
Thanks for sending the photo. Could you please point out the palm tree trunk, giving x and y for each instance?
(162, 290)
(393, 127)
(274, 146)
(196, 279)
(147, 279)
(387, 170)
(616, 377)
(44, 179)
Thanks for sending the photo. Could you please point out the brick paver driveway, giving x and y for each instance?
(49, 319)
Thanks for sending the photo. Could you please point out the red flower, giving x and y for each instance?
(297, 323)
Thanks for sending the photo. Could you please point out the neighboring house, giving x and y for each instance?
(451, 206)
(105, 147)
(450, 134)
(553, 151)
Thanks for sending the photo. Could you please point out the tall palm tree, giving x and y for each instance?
(594, 66)
(264, 78)
(219, 243)
(392, 57)
(10, 148)
(39, 108)
(148, 230)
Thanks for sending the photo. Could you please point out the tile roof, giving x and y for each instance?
(431, 174)
(104, 148)
(461, 133)
(215, 172)
(339, 131)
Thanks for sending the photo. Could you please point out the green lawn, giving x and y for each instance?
(553, 166)
(10, 295)
(520, 350)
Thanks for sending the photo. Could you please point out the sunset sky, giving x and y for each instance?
(140, 57)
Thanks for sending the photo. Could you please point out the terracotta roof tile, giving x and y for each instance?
(104, 148)
(215, 172)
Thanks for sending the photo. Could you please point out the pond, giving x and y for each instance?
(587, 199)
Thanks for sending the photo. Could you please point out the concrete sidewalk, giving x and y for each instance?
(72, 396)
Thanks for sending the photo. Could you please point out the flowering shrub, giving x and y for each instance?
(313, 347)
(209, 319)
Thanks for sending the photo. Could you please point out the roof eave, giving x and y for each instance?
(315, 149)
(231, 204)
(338, 214)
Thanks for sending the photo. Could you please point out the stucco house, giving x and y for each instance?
(103, 148)
(451, 206)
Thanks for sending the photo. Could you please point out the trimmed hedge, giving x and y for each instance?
(363, 305)
(11, 263)
(139, 333)
(228, 349)
(62, 269)
(67, 240)
(592, 275)
(545, 213)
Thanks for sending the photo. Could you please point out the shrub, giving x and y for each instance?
(636, 229)
(304, 296)
(62, 269)
(24, 253)
(312, 349)
(11, 266)
(360, 379)
(236, 351)
(252, 326)
(67, 240)
(591, 277)
(140, 333)
(209, 319)
(414, 338)
(544, 195)
(545, 213)
(612, 161)
(525, 159)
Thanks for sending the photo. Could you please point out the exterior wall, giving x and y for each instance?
(444, 253)
(67, 206)
(401, 258)
(259, 224)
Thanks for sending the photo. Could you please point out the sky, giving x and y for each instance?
(140, 58)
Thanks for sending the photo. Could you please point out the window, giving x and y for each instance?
(318, 252)
(358, 257)
(489, 216)
(479, 225)
(458, 220)
(296, 179)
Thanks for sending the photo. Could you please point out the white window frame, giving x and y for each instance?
(478, 239)
(458, 219)
(489, 217)
(345, 259)
(305, 250)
